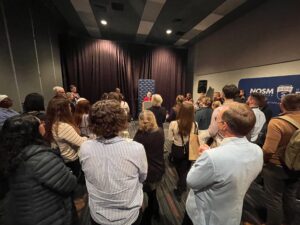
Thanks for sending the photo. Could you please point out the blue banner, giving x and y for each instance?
(144, 86)
(272, 87)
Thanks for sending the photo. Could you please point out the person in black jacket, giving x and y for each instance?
(152, 137)
(40, 183)
(159, 111)
(203, 114)
(175, 109)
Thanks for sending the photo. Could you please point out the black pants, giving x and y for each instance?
(75, 167)
(137, 222)
(186, 219)
(182, 165)
(281, 186)
(152, 209)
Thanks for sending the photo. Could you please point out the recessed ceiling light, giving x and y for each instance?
(169, 31)
(103, 22)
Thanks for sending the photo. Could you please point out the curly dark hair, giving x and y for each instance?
(114, 95)
(17, 133)
(107, 118)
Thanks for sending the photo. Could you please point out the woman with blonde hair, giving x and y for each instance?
(159, 111)
(216, 104)
(179, 133)
(152, 138)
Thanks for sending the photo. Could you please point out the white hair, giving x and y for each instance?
(57, 88)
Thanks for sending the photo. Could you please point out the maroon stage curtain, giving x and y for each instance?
(98, 66)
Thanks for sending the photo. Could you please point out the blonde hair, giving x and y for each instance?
(156, 100)
(216, 104)
(147, 121)
(206, 101)
(56, 89)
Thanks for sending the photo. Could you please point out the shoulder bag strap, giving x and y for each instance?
(196, 128)
(183, 144)
(290, 120)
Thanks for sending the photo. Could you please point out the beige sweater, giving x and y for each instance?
(67, 140)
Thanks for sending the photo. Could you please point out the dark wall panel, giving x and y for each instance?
(23, 49)
(7, 84)
(32, 32)
(43, 46)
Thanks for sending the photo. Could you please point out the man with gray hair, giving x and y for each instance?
(221, 176)
(59, 91)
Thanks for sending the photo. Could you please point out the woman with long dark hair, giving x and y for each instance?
(62, 132)
(152, 138)
(40, 183)
(179, 133)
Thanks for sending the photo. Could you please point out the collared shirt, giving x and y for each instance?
(259, 123)
(5, 114)
(219, 179)
(114, 171)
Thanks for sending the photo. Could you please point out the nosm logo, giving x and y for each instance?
(264, 91)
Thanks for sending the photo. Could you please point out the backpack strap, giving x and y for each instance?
(290, 120)
(196, 128)
(183, 144)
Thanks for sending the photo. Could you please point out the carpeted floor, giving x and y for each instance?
(171, 211)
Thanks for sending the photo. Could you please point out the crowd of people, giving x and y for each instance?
(47, 153)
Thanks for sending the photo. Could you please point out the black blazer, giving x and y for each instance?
(154, 145)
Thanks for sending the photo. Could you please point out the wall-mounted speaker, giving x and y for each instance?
(202, 86)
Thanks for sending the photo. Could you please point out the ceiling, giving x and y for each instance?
(146, 21)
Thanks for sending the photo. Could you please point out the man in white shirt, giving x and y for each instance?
(253, 102)
(221, 176)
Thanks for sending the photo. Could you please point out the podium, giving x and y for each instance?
(144, 86)
(146, 105)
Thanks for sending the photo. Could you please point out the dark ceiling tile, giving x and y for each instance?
(123, 18)
(180, 16)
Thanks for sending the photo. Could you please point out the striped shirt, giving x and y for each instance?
(67, 140)
(114, 171)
